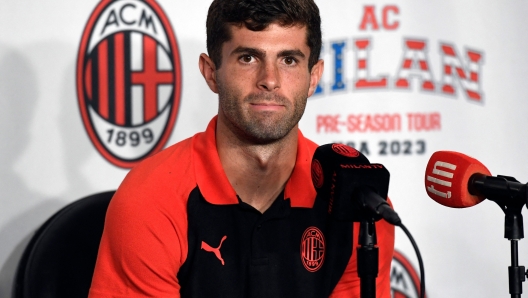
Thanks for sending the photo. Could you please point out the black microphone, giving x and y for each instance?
(356, 190)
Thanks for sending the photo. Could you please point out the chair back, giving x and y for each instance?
(60, 258)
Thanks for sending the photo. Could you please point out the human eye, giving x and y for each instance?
(290, 61)
(246, 58)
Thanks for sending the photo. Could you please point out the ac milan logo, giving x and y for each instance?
(317, 174)
(312, 249)
(404, 279)
(345, 150)
(128, 80)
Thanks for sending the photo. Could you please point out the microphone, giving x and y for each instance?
(447, 176)
(351, 184)
(459, 181)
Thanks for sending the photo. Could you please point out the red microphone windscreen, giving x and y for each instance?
(447, 176)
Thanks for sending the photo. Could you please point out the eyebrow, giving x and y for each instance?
(247, 50)
(289, 53)
(260, 53)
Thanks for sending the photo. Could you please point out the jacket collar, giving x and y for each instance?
(215, 186)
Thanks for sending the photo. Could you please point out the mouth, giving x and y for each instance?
(264, 102)
(266, 106)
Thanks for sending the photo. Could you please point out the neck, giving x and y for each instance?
(257, 172)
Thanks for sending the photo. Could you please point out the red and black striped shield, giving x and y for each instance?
(128, 80)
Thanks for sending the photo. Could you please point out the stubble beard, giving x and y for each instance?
(261, 127)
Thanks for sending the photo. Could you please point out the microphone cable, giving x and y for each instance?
(419, 256)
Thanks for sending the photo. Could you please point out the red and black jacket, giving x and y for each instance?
(176, 228)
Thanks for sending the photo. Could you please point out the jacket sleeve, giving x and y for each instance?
(144, 242)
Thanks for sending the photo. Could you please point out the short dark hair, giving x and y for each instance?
(257, 15)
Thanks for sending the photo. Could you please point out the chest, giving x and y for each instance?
(235, 251)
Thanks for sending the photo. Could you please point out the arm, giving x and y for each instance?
(144, 242)
(138, 255)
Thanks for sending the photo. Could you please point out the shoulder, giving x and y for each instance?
(159, 184)
(164, 171)
(151, 202)
(145, 239)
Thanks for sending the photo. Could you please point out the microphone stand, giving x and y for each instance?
(367, 258)
(512, 204)
(514, 231)
(374, 207)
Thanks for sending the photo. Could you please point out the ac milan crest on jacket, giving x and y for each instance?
(128, 80)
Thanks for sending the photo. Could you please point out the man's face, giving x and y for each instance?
(264, 81)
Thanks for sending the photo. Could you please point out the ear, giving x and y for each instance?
(315, 75)
(208, 70)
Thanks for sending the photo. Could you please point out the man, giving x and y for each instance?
(232, 212)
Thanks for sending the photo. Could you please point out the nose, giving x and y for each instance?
(269, 77)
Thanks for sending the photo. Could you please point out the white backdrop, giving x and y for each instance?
(47, 159)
